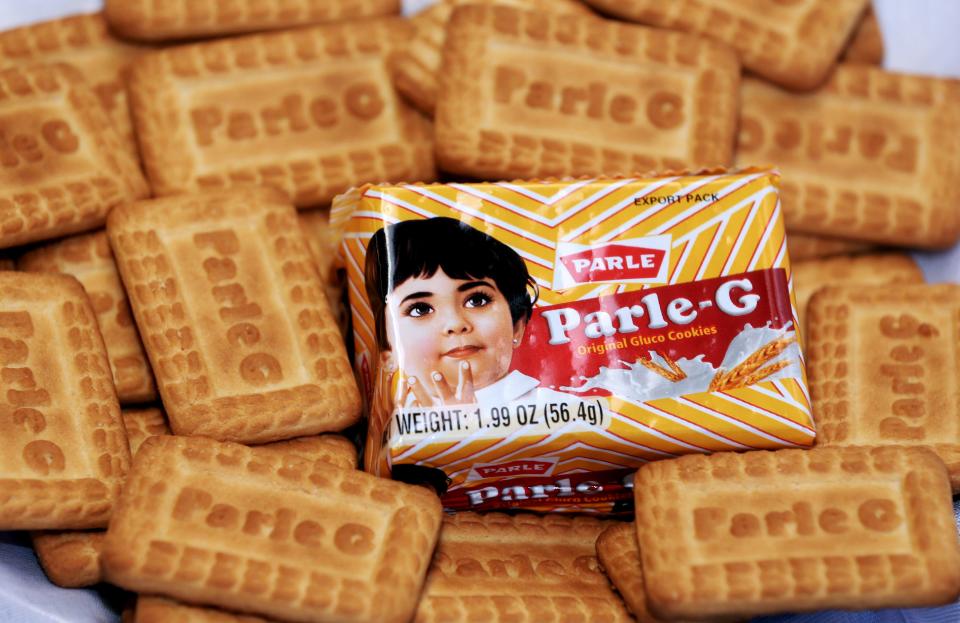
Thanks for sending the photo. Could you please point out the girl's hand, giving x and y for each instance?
(443, 394)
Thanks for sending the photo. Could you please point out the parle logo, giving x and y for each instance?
(519, 467)
(638, 260)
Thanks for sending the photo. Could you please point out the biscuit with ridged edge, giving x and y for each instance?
(537, 94)
(309, 111)
(64, 165)
(794, 43)
(160, 20)
(65, 449)
(865, 269)
(811, 246)
(870, 156)
(619, 557)
(84, 42)
(796, 530)
(415, 64)
(152, 609)
(523, 568)
(88, 258)
(217, 523)
(71, 559)
(233, 316)
(883, 364)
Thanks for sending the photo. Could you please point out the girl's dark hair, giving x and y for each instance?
(418, 248)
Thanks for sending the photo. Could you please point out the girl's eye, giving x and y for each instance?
(418, 309)
(478, 299)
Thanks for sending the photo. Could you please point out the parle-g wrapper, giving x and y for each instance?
(531, 344)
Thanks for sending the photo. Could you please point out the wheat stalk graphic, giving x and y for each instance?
(751, 370)
(673, 374)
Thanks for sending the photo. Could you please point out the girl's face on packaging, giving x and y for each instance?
(437, 323)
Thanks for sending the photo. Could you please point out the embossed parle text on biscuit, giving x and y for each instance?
(791, 42)
(766, 532)
(866, 156)
(84, 42)
(233, 316)
(537, 568)
(281, 536)
(536, 94)
(66, 448)
(884, 367)
(61, 164)
(310, 112)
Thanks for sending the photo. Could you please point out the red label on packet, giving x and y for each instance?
(691, 323)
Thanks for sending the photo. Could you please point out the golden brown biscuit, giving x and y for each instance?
(160, 20)
(141, 424)
(88, 258)
(414, 65)
(522, 568)
(884, 367)
(218, 523)
(84, 42)
(812, 246)
(619, 557)
(336, 450)
(63, 165)
(796, 530)
(870, 156)
(526, 94)
(867, 269)
(162, 610)
(310, 112)
(233, 316)
(65, 451)
(70, 559)
(794, 43)
(866, 44)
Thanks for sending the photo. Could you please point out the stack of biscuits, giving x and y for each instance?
(179, 407)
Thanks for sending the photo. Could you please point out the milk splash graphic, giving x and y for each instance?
(638, 383)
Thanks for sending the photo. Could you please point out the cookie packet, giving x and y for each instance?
(531, 344)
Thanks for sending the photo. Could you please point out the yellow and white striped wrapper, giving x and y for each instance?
(719, 224)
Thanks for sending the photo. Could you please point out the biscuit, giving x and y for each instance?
(84, 42)
(160, 20)
(526, 94)
(415, 64)
(65, 451)
(233, 316)
(796, 530)
(70, 559)
(141, 424)
(884, 367)
(88, 258)
(219, 524)
(521, 568)
(161, 610)
(870, 156)
(619, 557)
(811, 246)
(794, 43)
(309, 111)
(63, 163)
(324, 243)
(866, 44)
(336, 450)
(868, 269)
